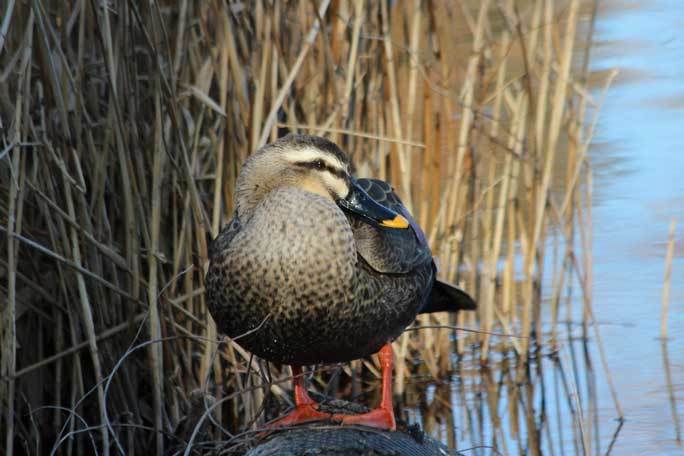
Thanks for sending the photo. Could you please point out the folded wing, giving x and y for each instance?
(397, 251)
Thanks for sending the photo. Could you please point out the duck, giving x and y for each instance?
(318, 266)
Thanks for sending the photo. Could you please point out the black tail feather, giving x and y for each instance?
(448, 298)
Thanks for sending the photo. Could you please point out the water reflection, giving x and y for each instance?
(547, 406)
(670, 391)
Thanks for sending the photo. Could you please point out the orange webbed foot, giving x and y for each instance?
(306, 409)
(383, 416)
(378, 418)
(305, 413)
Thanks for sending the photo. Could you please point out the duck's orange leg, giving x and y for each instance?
(306, 409)
(383, 416)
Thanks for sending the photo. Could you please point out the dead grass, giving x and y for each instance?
(123, 126)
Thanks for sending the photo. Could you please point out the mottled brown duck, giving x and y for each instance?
(318, 266)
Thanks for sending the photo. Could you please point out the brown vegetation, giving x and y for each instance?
(123, 126)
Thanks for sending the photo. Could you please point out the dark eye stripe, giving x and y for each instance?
(316, 164)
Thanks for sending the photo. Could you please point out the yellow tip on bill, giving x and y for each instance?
(396, 222)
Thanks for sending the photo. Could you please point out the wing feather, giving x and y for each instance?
(390, 251)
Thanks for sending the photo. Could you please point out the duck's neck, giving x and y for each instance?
(290, 210)
(252, 193)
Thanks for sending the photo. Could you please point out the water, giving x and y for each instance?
(638, 162)
(639, 189)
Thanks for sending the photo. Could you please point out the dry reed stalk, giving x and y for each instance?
(6, 20)
(353, 133)
(216, 215)
(401, 369)
(8, 331)
(429, 176)
(486, 301)
(308, 43)
(156, 355)
(666, 281)
(358, 8)
(88, 321)
(587, 237)
(9, 345)
(404, 170)
(586, 283)
(558, 104)
(415, 13)
(467, 97)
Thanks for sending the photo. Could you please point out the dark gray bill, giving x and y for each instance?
(361, 204)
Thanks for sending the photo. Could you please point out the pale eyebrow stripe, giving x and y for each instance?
(309, 154)
(331, 169)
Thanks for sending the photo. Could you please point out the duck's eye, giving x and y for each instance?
(318, 164)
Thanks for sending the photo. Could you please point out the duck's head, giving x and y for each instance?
(315, 165)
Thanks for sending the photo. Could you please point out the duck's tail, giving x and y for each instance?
(448, 298)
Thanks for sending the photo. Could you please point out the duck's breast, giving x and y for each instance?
(288, 272)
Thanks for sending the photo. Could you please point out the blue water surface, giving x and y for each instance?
(639, 186)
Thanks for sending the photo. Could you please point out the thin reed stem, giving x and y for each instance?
(666, 282)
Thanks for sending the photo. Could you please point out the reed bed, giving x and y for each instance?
(123, 126)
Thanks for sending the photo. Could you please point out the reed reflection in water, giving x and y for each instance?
(671, 392)
(549, 405)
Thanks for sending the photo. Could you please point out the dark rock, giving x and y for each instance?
(351, 441)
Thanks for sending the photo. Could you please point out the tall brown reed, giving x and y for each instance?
(123, 128)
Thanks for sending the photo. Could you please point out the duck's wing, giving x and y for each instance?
(401, 251)
(390, 250)
(225, 236)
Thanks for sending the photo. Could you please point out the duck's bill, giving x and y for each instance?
(359, 203)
